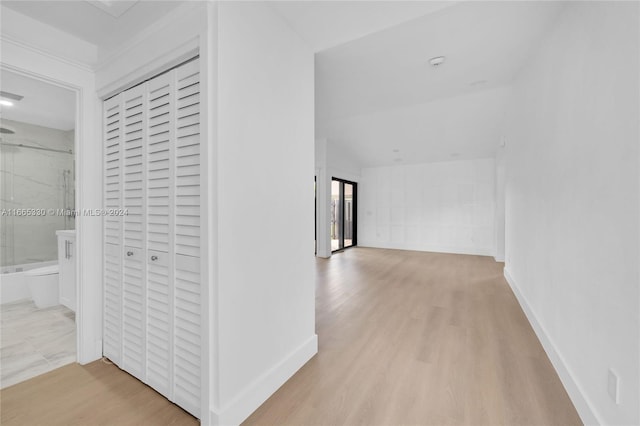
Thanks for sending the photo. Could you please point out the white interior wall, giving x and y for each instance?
(266, 303)
(443, 207)
(341, 162)
(323, 200)
(499, 203)
(572, 194)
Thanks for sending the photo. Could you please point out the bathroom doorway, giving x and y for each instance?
(38, 290)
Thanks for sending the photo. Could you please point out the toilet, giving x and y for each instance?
(43, 285)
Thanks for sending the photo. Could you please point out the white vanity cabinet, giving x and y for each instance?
(67, 265)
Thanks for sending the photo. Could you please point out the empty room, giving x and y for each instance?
(320, 212)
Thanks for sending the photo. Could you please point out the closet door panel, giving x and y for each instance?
(187, 340)
(160, 92)
(112, 301)
(134, 271)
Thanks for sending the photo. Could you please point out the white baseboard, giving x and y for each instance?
(262, 388)
(580, 401)
(475, 251)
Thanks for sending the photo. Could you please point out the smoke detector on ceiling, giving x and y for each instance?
(437, 61)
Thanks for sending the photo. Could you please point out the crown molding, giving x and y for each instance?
(5, 38)
(176, 14)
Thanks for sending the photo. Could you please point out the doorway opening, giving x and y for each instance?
(344, 196)
(38, 286)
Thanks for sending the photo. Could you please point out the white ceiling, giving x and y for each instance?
(372, 68)
(105, 24)
(379, 91)
(324, 24)
(455, 128)
(43, 104)
(481, 41)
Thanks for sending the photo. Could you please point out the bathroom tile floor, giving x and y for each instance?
(34, 341)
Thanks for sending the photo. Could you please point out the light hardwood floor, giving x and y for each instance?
(419, 338)
(95, 394)
(405, 338)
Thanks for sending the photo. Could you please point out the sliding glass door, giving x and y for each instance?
(343, 214)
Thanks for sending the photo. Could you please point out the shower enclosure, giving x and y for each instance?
(36, 192)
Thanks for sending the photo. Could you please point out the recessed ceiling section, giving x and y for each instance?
(106, 24)
(112, 7)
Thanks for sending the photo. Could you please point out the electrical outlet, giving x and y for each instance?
(614, 387)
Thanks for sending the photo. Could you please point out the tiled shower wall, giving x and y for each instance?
(34, 179)
(444, 207)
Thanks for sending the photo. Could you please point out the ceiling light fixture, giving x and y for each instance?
(6, 98)
(436, 61)
(11, 96)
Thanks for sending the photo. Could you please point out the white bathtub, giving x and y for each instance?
(13, 286)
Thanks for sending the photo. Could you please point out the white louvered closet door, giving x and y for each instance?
(153, 266)
(186, 219)
(112, 297)
(160, 201)
(133, 279)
